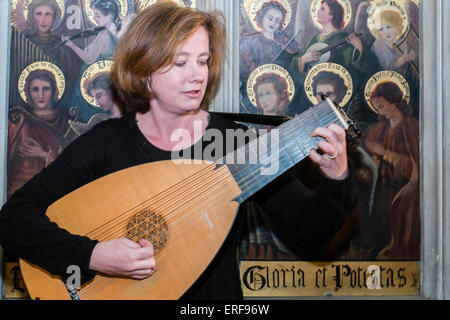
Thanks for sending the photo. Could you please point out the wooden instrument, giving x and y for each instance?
(185, 210)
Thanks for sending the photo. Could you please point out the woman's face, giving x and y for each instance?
(324, 14)
(180, 87)
(384, 107)
(43, 19)
(272, 20)
(387, 32)
(103, 98)
(268, 97)
(101, 19)
(41, 94)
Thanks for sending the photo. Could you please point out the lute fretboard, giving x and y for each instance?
(260, 161)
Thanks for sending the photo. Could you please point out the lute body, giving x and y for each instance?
(176, 206)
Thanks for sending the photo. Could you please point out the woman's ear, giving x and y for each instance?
(149, 86)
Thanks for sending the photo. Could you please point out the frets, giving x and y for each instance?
(262, 160)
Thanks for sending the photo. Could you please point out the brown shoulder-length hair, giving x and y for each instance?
(150, 43)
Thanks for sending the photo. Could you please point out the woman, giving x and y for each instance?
(166, 71)
(393, 143)
(38, 135)
(106, 14)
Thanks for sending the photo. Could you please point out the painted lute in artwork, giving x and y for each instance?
(185, 210)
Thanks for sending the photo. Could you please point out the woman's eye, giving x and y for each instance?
(180, 63)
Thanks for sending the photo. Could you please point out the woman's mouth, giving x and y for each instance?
(192, 93)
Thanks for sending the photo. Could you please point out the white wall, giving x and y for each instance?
(435, 149)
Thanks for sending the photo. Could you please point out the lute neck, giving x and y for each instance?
(260, 161)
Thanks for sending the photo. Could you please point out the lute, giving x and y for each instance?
(185, 210)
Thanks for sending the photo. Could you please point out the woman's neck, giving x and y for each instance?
(272, 113)
(169, 131)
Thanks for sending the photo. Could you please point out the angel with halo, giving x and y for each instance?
(391, 33)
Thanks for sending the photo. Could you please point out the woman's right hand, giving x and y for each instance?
(125, 258)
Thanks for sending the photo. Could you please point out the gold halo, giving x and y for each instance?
(315, 6)
(41, 65)
(252, 7)
(330, 67)
(373, 21)
(142, 4)
(386, 76)
(61, 4)
(102, 66)
(123, 4)
(269, 68)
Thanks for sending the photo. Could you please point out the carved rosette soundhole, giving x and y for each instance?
(147, 225)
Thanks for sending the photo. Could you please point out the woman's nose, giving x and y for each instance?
(196, 73)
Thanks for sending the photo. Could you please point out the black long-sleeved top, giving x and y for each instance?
(115, 144)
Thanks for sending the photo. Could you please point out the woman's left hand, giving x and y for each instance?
(333, 162)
